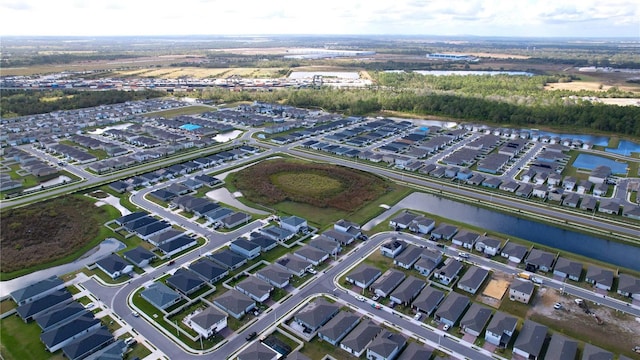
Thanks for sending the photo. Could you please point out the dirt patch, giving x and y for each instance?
(496, 288)
(99, 194)
(573, 321)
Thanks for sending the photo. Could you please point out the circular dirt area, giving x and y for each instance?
(321, 185)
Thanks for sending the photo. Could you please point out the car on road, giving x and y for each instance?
(463, 255)
(172, 262)
(376, 306)
(251, 336)
(360, 298)
(446, 327)
(135, 314)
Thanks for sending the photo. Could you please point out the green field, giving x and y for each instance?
(187, 110)
(21, 341)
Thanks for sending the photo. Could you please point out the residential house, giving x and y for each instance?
(208, 270)
(316, 313)
(599, 277)
(514, 252)
(466, 239)
(629, 286)
(59, 315)
(600, 174)
(258, 351)
(402, 221)
(177, 245)
(386, 346)
(571, 200)
(164, 237)
(114, 266)
(326, 244)
(500, 329)
(447, 273)
(422, 225)
(392, 247)
(235, 219)
(37, 290)
(349, 227)
(524, 190)
(428, 300)
(139, 256)
(264, 242)
(344, 238)
(407, 291)
(473, 279)
(408, 257)
(255, 288)
(541, 260)
(294, 224)
(245, 248)
(451, 309)
(444, 232)
(530, 340)
(357, 341)
(429, 261)
(521, 290)
(160, 295)
(312, 255)
(294, 264)
(415, 352)
(33, 309)
(185, 281)
(235, 303)
(88, 344)
(566, 268)
(228, 259)
(387, 282)
(363, 276)
(208, 322)
(588, 203)
(475, 319)
(488, 245)
(611, 207)
(63, 335)
(561, 348)
(275, 275)
(338, 327)
(591, 352)
(584, 186)
(277, 233)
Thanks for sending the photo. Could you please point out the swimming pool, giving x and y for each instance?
(190, 127)
(589, 162)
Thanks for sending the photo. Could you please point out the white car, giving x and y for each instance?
(135, 314)
(463, 255)
(312, 271)
(557, 306)
(360, 298)
(446, 327)
(417, 316)
(89, 305)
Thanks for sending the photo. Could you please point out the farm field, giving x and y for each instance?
(200, 73)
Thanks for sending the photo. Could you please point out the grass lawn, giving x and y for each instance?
(187, 110)
(138, 351)
(6, 305)
(317, 349)
(110, 323)
(22, 341)
(515, 307)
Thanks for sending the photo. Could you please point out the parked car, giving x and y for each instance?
(89, 305)
(312, 271)
(360, 298)
(557, 306)
(446, 327)
(251, 336)
(375, 297)
(417, 316)
(463, 255)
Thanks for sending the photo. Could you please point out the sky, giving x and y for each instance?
(518, 18)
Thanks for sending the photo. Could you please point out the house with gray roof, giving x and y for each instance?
(294, 223)
(386, 346)
(429, 261)
(473, 279)
(599, 277)
(541, 260)
(60, 336)
(255, 288)
(294, 264)
(629, 286)
(37, 307)
(160, 295)
(114, 266)
(392, 247)
(208, 270)
(59, 315)
(591, 352)
(408, 257)
(208, 322)
(37, 290)
(521, 290)
(139, 256)
(530, 340)
(363, 276)
(422, 225)
(228, 259)
(448, 272)
(264, 242)
(246, 248)
(235, 303)
(312, 255)
(326, 244)
(185, 281)
(428, 300)
(466, 239)
(451, 309)
(175, 246)
(561, 348)
(566, 268)
(415, 352)
(87, 344)
(275, 275)
(277, 233)
(407, 291)
(356, 342)
(316, 313)
(344, 238)
(403, 220)
(164, 237)
(258, 351)
(475, 319)
(235, 219)
(338, 327)
(514, 252)
(488, 245)
(444, 232)
(500, 329)
(386, 283)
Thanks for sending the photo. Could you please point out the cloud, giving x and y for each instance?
(15, 5)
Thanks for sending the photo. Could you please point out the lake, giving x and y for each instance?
(590, 162)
